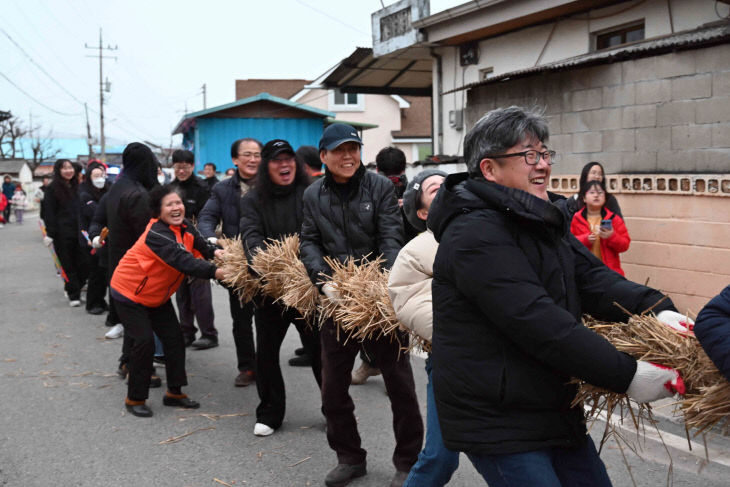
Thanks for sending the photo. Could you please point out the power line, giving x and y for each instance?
(300, 2)
(40, 67)
(36, 100)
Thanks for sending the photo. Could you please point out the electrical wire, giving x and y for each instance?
(36, 100)
(300, 2)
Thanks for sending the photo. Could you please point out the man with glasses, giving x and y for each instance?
(510, 286)
(224, 206)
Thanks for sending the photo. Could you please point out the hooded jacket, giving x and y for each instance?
(364, 223)
(152, 270)
(224, 205)
(128, 202)
(510, 286)
(611, 247)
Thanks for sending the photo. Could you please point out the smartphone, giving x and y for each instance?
(607, 224)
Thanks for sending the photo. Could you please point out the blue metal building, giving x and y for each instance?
(210, 133)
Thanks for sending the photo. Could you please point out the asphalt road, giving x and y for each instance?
(63, 421)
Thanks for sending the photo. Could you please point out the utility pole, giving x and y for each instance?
(101, 49)
(204, 98)
(89, 140)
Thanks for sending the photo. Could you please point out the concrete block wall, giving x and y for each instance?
(667, 113)
(680, 228)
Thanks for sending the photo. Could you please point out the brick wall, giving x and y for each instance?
(680, 232)
(668, 113)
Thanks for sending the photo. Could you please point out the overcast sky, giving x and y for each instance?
(166, 51)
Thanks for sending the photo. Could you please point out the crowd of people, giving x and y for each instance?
(487, 266)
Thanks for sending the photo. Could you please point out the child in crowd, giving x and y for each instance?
(598, 228)
(19, 202)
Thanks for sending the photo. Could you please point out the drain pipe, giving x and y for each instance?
(438, 141)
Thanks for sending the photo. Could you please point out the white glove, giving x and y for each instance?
(212, 240)
(47, 241)
(96, 242)
(330, 290)
(679, 322)
(652, 382)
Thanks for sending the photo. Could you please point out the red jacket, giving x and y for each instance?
(610, 248)
(152, 270)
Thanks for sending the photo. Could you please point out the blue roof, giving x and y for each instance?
(69, 147)
(245, 101)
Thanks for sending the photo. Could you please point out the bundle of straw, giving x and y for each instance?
(235, 266)
(272, 262)
(297, 290)
(644, 337)
(364, 310)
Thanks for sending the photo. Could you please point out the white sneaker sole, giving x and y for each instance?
(261, 429)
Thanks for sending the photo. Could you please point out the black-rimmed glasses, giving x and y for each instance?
(532, 157)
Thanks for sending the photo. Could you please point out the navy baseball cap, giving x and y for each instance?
(336, 134)
(275, 147)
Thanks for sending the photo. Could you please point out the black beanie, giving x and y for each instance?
(412, 196)
(140, 164)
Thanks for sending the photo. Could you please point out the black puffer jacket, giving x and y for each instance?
(223, 205)
(366, 223)
(128, 201)
(195, 193)
(282, 215)
(510, 285)
(62, 211)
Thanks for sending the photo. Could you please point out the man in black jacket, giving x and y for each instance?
(209, 173)
(510, 286)
(353, 213)
(223, 207)
(194, 297)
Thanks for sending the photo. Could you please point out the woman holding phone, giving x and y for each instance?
(598, 228)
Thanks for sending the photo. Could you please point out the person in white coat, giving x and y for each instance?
(409, 287)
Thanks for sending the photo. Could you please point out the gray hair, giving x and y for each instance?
(501, 129)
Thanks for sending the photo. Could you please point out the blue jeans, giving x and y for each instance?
(549, 467)
(435, 464)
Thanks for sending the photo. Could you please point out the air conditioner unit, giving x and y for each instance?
(456, 119)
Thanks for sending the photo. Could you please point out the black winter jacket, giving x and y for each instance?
(90, 196)
(367, 223)
(281, 216)
(128, 211)
(224, 204)
(195, 193)
(62, 214)
(510, 286)
(712, 329)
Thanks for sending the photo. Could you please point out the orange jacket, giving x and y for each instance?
(152, 270)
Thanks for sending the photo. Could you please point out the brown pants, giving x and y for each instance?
(338, 359)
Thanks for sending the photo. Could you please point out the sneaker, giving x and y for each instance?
(245, 378)
(123, 371)
(74, 303)
(343, 473)
(189, 340)
(362, 374)
(96, 310)
(159, 359)
(205, 342)
(116, 331)
(260, 429)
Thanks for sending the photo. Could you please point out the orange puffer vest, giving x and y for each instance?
(143, 277)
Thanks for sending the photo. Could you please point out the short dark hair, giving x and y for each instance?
(499, 130)
(210, 164)
(309, 155)
(157, 194)
(587, 187)
(182, 155)
(586, 169)
(236, 144)
(390, 161)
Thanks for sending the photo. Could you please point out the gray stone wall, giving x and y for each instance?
(660, 114)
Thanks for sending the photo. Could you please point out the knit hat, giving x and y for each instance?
(140, 164)
(412, 197)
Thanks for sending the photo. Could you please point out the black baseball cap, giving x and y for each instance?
(275, 147)
(336, 134)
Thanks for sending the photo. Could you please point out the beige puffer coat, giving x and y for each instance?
(409, 284)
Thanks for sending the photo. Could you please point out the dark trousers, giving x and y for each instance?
(338, 357)
(96, 285)
(70, 254)
(242, 332)
(139, 324)
(195, 300)
(549, 467)
(272, 323)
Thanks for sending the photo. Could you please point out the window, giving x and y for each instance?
(345, 98)
(346, 102)
(617, 36)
